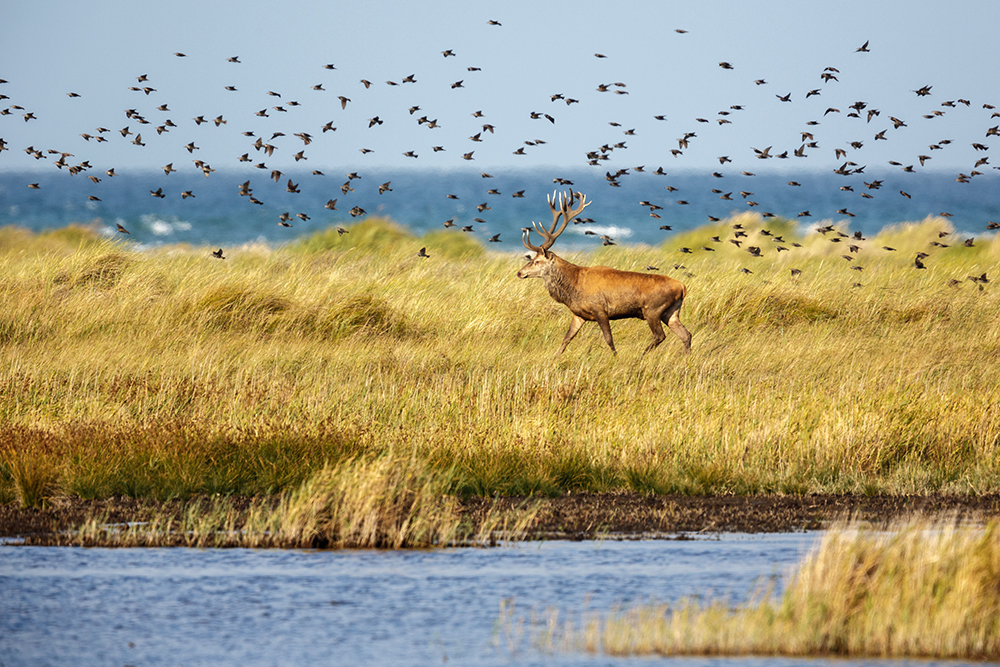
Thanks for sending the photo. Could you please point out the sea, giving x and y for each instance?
(635, 207)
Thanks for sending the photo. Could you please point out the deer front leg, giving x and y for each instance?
(605, 325)
(574, 328)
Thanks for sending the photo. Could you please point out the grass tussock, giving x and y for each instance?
(386, 502)
(61, 241)
(367, 313)
(34, 479)
(922, 590)
(104, 272)
(375, 235)
(167, 374)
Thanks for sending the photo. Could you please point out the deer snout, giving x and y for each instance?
(528, 271)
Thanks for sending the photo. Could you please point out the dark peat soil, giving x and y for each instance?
(578, 516)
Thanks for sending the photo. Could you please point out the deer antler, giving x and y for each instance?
(551, 234)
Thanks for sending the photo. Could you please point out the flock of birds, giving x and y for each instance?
(153, 121)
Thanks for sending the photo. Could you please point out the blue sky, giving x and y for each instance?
(98, 50)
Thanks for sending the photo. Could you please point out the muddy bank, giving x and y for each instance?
(577, 516)
(589, 516)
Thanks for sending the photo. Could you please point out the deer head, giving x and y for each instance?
(543, 258)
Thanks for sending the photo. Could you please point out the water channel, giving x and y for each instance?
(72, 606)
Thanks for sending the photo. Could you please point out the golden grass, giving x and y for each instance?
(169, 374)
(34, 478)
(927, 590)
(386, 502)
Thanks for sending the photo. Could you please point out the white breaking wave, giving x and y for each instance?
(161, 227)
(611, 230)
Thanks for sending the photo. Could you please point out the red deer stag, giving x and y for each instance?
(600, 293)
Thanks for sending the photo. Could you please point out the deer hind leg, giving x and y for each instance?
(672, 316)
(574, 328)
(653, 320)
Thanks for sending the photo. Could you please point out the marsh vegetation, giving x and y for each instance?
(167, 374)
(923, 589)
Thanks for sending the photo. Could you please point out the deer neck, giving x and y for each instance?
(561, 280)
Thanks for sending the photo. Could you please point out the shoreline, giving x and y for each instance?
(583, 516)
